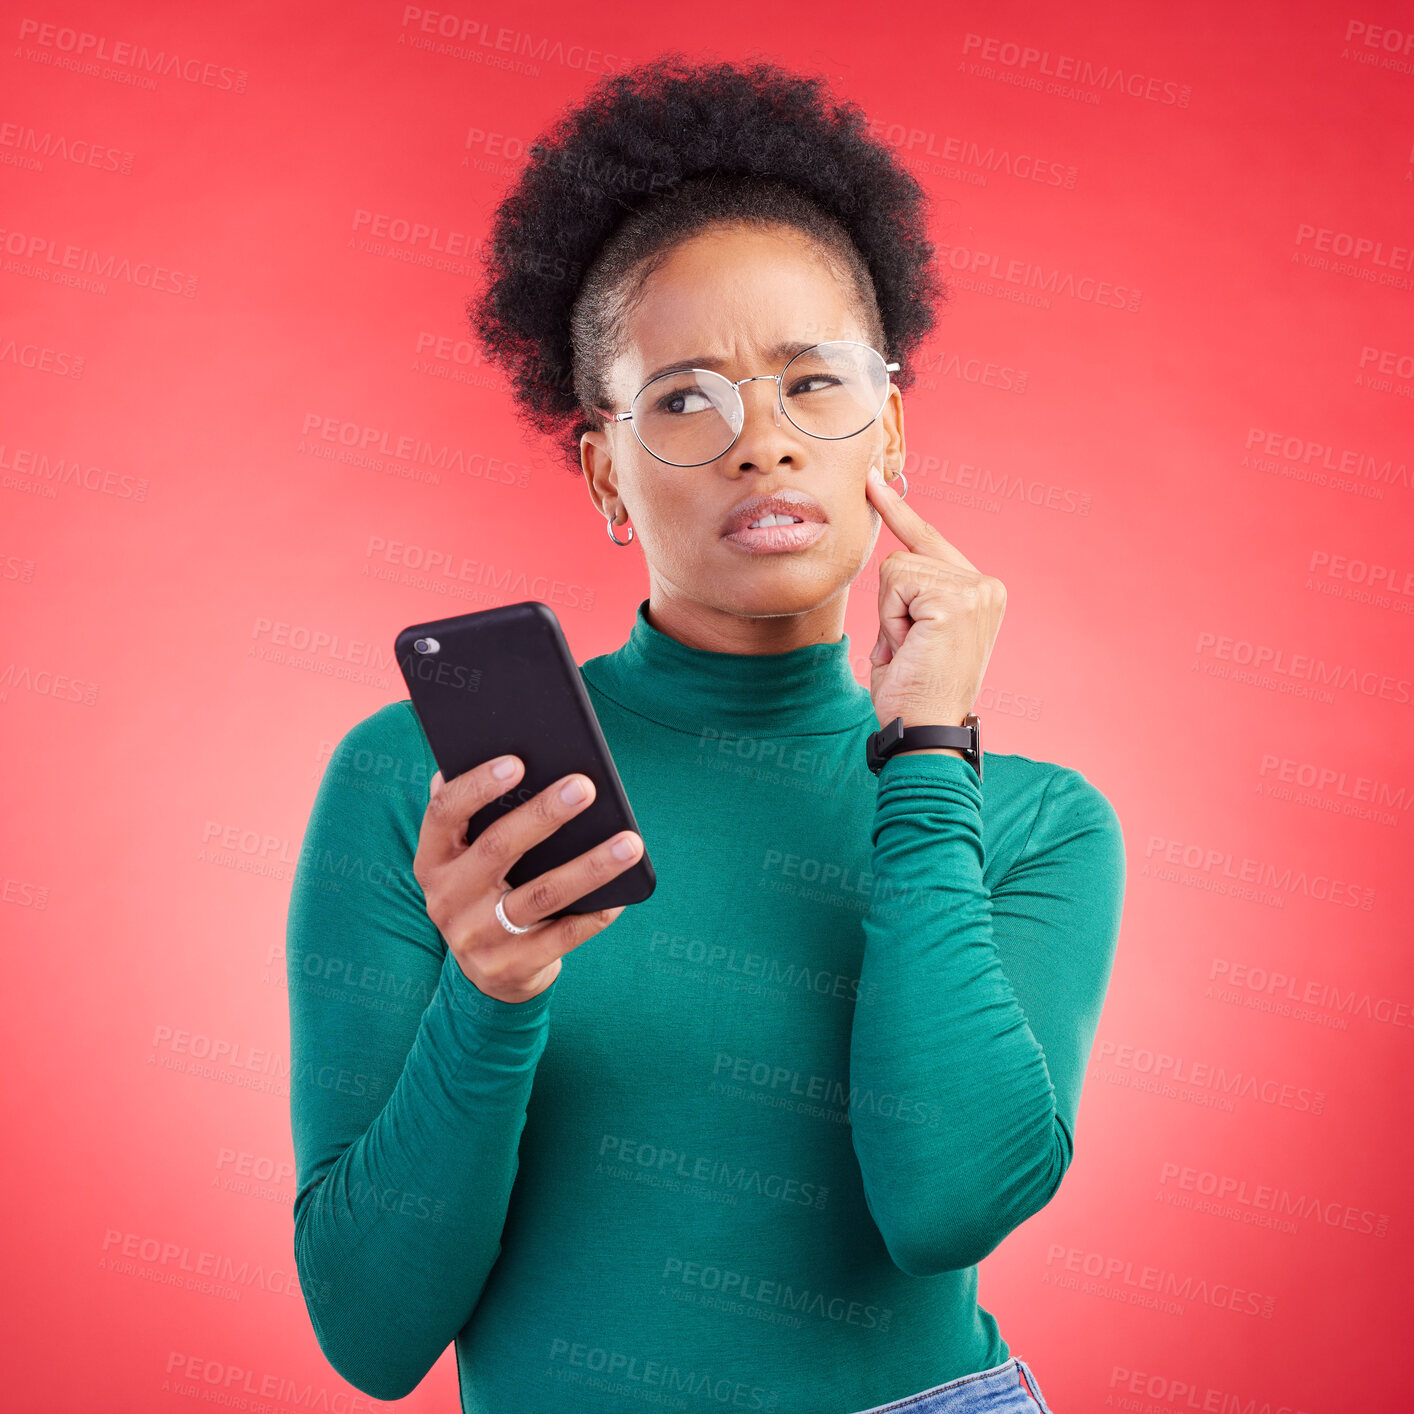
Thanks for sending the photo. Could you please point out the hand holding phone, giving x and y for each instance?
(462, 880)
(501, 682)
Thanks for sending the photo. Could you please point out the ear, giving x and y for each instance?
(600, 477)
(891, 420)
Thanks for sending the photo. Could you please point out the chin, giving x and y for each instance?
(778, 593)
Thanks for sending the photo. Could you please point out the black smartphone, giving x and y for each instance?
(503, 681)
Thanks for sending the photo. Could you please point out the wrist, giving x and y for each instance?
(962, 739)
(929, 716)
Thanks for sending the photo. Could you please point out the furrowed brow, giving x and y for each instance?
(781, 354)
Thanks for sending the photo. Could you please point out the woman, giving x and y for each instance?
(746, 1148)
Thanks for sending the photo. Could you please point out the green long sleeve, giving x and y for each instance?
(1005, 971)
(748, 1149)
(405, 1120)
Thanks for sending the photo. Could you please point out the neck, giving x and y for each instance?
(804, 690)
(719, 631)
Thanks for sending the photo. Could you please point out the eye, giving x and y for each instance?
(823, 380)
(679, 402)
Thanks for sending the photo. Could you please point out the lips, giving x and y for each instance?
(786, 502)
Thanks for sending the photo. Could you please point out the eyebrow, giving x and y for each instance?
(783, 351)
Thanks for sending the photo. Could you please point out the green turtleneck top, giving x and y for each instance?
(748, 1148)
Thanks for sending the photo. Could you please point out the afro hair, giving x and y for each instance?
(654, 155)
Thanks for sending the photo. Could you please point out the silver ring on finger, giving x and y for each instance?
(506, 922)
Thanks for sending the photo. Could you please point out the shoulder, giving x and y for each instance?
(385, 754)
(394, 727)
(1052, 803)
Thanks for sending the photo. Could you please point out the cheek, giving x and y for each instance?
(672, 518)
(859, 535)
(857, 522)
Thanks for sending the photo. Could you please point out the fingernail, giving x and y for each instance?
(435, 784)
(504, 768)
(623, 848)
(573, 791)
(876, 476)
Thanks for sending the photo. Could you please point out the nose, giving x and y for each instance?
(765, 441)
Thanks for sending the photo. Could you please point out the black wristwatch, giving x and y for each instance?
(896, 737)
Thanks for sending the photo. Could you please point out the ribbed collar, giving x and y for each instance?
(805, 690)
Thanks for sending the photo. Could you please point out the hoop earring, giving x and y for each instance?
(609, 526)
(899, 476)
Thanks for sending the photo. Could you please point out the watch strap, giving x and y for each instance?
(895, 737)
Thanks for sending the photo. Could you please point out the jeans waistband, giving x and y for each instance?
(1009, 1386)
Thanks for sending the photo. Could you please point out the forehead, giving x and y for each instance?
(733, 292)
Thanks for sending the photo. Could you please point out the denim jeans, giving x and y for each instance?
(1000, 1390)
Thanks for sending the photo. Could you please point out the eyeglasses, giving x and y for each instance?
(832, 390)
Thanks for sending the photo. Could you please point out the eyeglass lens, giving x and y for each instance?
(832, 390)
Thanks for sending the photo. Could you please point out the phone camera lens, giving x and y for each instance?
(426, 645)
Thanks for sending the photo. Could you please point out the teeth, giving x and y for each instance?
(773, 520)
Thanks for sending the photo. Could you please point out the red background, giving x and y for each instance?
(1195, 490)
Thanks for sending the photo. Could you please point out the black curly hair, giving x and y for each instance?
(651, 157)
